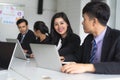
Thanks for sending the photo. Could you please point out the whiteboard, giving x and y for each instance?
(9, 14)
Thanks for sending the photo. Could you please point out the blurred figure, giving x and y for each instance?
(42, 33)
(25, 36)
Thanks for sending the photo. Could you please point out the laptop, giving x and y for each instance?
(19, 53)
(7, 51)
(46, 56)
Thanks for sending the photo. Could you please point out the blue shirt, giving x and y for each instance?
(99, 42)
(23, 36)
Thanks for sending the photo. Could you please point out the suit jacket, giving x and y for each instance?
(45, 41)
(29, 38)
(70, 44)
(110, 55)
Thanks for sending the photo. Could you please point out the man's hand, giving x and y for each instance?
(77, 68)
(62, 58)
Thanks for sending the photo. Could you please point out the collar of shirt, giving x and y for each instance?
(59, 44)
(101, 36)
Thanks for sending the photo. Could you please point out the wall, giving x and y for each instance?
(72, 9)
(112, 20)
(114, 17)
(49, 8)
(117, 26)
(82, 33)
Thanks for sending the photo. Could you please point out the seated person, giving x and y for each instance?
(25, 36)
(62, 35)
(100, 51)
(42, 33)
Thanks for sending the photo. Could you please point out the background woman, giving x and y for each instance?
(42, 33)
(62, 35)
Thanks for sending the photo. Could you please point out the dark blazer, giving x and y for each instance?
(110, 56)
(45, 41)
(70, 44)
(29, 38)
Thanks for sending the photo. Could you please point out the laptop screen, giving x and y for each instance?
(6, 51)
(46, 56)
(19, 53)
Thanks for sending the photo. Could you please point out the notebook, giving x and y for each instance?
(7, 51)
(19, 53)
(46, 56)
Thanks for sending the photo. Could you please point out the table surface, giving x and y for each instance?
(29, 70)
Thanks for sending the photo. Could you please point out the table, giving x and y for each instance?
(29, 70)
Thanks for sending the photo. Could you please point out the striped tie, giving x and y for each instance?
(93, 51)
(22, 37)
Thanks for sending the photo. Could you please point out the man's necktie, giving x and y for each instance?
(22, 37)
(93, 51)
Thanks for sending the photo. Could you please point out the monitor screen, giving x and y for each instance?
(6, 51)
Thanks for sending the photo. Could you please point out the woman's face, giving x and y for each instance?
(60, 26)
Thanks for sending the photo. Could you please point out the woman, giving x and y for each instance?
(42, 33)
(62, 35)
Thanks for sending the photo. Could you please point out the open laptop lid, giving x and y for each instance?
(19, 53)
(46, 56)
(6, 54)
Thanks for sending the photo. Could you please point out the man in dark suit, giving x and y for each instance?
(25, 36)
(105, 58)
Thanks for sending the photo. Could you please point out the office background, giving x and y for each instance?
(73, 9)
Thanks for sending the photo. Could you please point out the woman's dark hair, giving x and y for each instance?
(54, 35)
(40, 25)
(99, 10)
(22, 20)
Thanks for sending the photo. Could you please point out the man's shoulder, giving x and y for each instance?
(115, 32)
(112, 34)
(30, 31)
(89, 36)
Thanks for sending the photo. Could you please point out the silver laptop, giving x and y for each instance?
(7, 51)
(46, 56)
(19, 53)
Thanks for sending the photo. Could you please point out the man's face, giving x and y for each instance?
(87, 23)
(22, 27)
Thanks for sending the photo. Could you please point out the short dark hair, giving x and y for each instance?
(99, 10)
(40, 25)
(54, 35)
(22, 20)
